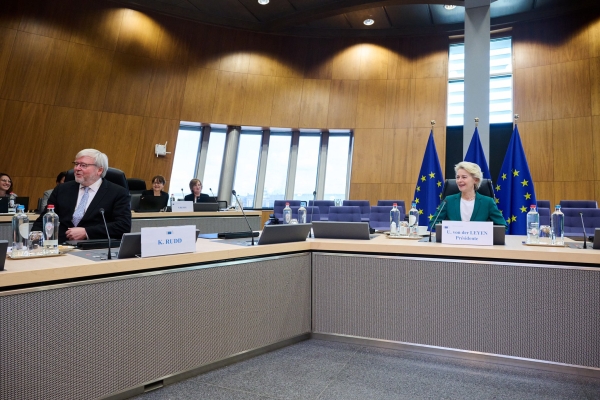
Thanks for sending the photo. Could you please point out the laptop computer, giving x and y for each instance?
(131, 245)
(150, 204)
(273, 234)
(4, 205)
(206, 207)
(24, 201)
(499, 234)
(341, 230)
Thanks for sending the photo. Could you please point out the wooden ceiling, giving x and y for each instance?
(345, 17)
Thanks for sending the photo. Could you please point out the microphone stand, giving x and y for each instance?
(436, 218)
(245, 217)
(214, 197)
(182, 194)
(312, 211)
(108, 257)
(584, 234)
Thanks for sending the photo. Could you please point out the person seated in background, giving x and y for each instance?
(468, 205)
(78, 203)
(5, 185)
(60, 178)
(196, 188)
(158, 184)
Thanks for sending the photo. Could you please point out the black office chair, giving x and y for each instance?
(136, 185)
(450, 188)
(113, 175)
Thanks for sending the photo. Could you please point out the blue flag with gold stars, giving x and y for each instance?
(514, 187)
(476, 155)
(429, 184)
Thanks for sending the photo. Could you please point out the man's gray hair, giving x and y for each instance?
(100, 159)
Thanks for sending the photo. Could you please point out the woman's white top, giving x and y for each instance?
(466, 209)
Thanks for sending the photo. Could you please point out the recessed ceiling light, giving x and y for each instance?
(447, 6)
(368, 21)
(263, 2)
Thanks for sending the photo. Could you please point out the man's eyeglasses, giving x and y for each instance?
(5, 181)
(81, 165)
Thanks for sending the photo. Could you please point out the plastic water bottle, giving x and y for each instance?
(50, 226)
(172, 200)
(20, 225)
(302, 213)
(533, 225)
(287, 214)
(395, 220)
(558, 226)
(413, 220)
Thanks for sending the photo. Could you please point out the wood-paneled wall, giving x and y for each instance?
(79, 74)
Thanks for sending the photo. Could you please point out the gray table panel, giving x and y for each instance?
(205, 224)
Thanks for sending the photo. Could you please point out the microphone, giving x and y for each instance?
(246, 218)
(436, 218)
(107, 235)
(213, 195)
(182, 194)
(312, 210)
(584, 234)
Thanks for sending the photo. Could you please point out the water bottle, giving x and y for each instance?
(287, 214)
(302, 213)
(413, 220)
(11, 203)
(50, 226)
(558, 226)
(172, 200)
(533, 225)
(20, 226)
(394, 220)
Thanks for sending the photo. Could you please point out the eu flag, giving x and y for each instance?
(429, 184)
(514, 187)
(476, 155)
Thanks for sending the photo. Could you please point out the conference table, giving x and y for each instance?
(72, 328)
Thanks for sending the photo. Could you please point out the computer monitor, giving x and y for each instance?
(341, 230)
(273, 234)
(24, 201)
(150, 203)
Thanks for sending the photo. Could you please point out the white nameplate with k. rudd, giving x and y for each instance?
(468, 232)
(168, 240)
(182, 206)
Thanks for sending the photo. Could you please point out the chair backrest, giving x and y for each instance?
(113, 175)
(544, 215)
(312, 213)
(400, 203)
(345, 213)
(591, 219)
(279, 205)
(543, 203)
(578, 204)
(450, 188)
(380, 217)
(323, 206)
(136, 185)
(365, 207)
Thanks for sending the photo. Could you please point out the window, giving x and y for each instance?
(306, 167)
(277, 168)
(246, 167)
(214, 160)
(338, 152)
(500, 82)
(186, 157)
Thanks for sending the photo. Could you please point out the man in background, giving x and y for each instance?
(59, 179)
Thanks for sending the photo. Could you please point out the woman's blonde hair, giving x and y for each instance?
(472, 169)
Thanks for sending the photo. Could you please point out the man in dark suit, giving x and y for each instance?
(78, 202)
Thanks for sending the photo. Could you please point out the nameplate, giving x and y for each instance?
(182, 206)
(168, 240)
(461, 232)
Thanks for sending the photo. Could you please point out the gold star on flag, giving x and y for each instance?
(497, 187)
(523, 209)
(420, 211)
(423, 178)
(500, 211)
(513, 219)
(515, 173)
(524, 183)
(503, 176)
(440, 196)
(418, 188)
(430, 217)
(432, 175)
(417, 200)
(497, 200)
(508, 220)
(527, 196)
(439, 184)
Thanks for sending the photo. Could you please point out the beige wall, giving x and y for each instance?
(76, 75)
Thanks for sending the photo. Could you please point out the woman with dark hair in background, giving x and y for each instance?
(158, 184)
(5, 184)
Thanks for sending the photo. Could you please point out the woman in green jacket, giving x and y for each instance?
(468, 205)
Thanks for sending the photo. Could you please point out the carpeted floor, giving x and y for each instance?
(317, 369)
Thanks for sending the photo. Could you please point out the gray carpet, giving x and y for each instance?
(317, 369)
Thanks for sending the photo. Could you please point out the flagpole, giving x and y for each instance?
(476, 122)
(516, 119)
(432, 124)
